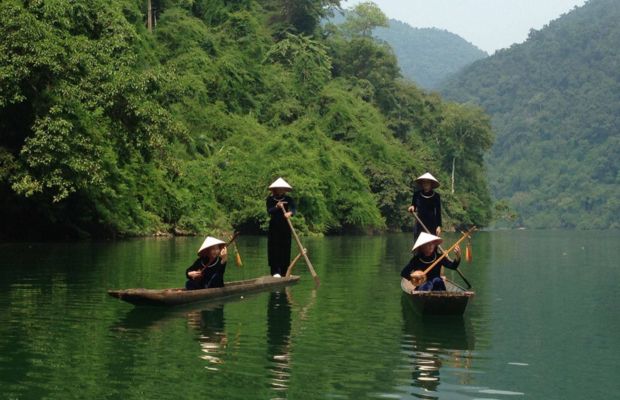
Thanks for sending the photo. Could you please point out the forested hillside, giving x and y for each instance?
(108, 129)
(427, 56)
(555, 106)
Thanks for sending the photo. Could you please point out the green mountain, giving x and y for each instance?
(108, 129)
(427, 56)
(555, 106)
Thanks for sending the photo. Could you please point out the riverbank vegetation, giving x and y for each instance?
(110, 129)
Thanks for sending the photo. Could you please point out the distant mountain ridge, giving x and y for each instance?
(555, 106)
(427, 56)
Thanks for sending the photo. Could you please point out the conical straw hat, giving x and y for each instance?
(209, 242)
(428, 177)
(280, 184)
(426, 238)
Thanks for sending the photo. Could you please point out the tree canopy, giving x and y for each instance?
(108, 129)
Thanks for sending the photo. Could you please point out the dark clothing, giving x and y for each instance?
(279, 235)
(212, 274)
(420, 263)
(428, 207)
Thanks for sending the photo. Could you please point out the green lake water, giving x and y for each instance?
(544, 323)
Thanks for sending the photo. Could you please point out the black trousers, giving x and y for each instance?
(279, 250)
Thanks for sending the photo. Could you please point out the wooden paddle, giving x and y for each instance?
(302, 250)
(237, 255)
(233, 238)
(443, 251)
(289, 270)
(419, 279)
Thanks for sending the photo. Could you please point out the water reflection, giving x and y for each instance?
(142, 318)
(279, 339)
(213, 339)
(438, 350)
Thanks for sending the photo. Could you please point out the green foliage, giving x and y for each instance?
(306, 59)
(297, 16)
(108, 129)
(363, 18)
(364, 58)
(554, 102)
(464, 134)
(90, 115)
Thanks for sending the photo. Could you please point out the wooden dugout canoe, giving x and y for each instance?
(172, 297)
(451, 302)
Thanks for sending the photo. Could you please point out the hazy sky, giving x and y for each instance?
(488, 24)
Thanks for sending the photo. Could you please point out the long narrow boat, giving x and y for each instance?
(172, 297)
(450, 302)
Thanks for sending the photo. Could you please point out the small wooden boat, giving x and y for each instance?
(172, 297)
(450, 302)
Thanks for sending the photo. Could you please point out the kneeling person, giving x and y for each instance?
(208, 270)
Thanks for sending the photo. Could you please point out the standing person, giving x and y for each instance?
(427, 204)
(280, 206)
(425, 254)
(208, 270)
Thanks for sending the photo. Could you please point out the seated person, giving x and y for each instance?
(208, 270)
(425, 254)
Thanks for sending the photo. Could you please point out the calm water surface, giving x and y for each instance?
(544, 323)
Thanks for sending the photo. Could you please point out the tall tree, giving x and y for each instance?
(363, 18)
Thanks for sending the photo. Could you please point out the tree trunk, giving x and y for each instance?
(149, 16)
(453, 163)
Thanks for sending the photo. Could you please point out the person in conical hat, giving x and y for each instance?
(427, 177)
(425, 254)
(208, 270)
(426, 204)
(281, 184)
(280, 207)
(426, 238)
(208, 243)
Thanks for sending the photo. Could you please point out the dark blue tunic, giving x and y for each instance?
(212, 274)
(279, 234)
(428, 208)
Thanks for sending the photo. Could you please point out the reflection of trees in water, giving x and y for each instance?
(433, 343)
(213, 339)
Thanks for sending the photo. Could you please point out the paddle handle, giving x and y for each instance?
(464, 279)
(289, 270)
(233, 238)
(422, 223)
(303, 252)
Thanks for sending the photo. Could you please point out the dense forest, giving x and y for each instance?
(555, 106)
(112, 125)
(427, 56)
